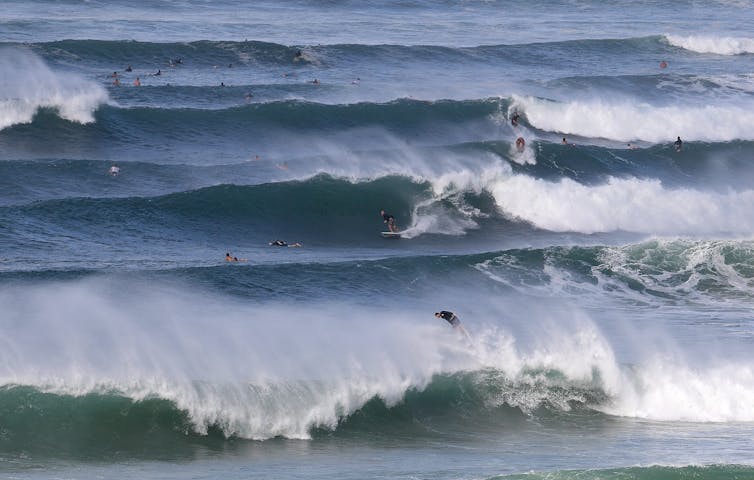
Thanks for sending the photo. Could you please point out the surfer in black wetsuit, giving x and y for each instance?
(514, 119)
(389, 220)
(450, 317)
(678, 145)
(453, 320)
(283, 243)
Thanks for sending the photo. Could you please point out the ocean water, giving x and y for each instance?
(606, 284)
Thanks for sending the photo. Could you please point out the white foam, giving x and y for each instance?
(630, 204)
(257, 372)
(710, 44)
(665, 390)
(630, 120)
(28, 84)
(260, 371)
(659, 387)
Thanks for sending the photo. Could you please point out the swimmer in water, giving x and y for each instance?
(114, 170)
(137, 82)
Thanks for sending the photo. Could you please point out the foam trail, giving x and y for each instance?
(630, 121)
(708, 44)
(27, 84)
(634, 205)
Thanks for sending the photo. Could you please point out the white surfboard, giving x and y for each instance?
(391, 234)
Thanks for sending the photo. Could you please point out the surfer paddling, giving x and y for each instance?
(453, 320)
(283, 243)
(230, 258)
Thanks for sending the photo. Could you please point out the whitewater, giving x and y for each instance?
(605, 275)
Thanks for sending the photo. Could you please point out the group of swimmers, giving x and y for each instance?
(137, 82)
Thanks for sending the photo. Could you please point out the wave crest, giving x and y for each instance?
(27, 85)
(717, 45)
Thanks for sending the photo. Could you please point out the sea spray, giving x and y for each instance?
(27, 84)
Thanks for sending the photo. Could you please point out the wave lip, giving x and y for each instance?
(27, 85)
(709, 44)
(631, 204)
(630, 120)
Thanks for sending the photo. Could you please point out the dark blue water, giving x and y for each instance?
(604, 277)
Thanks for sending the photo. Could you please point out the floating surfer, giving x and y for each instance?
(283, 243)
(114, 170)
(453, 320)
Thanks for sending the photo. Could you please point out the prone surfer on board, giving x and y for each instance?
(453, 320)
(283, 243)
(389, 220)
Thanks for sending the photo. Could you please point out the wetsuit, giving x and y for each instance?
(678, 145)
(450, 317)
(389, 219)
(279, 243)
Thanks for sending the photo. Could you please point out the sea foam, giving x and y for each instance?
(627, 204)
(709, 44)
(265, 371)
(28, 84)
(626, 120)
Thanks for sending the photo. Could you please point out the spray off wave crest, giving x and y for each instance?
(709, 44)
(251, 375)
(632, 120)
(633, 205)
(28, 85)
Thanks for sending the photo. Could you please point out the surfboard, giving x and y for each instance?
(391, 234)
